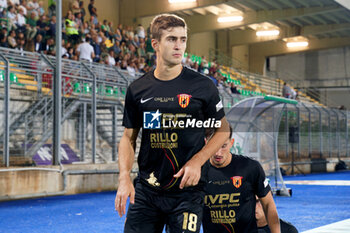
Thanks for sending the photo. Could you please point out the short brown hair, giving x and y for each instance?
(165, 21)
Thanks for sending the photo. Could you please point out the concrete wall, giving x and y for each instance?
(34, 182)
(331, 64)
(200, 43)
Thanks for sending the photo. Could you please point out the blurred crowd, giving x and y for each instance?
(27, 26)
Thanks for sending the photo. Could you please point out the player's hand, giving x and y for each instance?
(125, 189)
(190, 172)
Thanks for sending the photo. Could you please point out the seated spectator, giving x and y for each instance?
(12, 17)
(140, 31)
(233, 89)
(38, 43)
(42, 26)
(40, 9)
(3, 38)
(33, 6)
(23, 6)
(21, 43)
(11, 39)
(50, 48)
(3, 6)
(31, 26)
(110, 58)
(286, 91)
(21, 21)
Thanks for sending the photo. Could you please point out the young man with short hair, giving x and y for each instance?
(173, 105)
(234, 181)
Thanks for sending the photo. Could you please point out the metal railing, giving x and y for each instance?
(92, 109)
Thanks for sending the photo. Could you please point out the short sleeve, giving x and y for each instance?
(262, 187)
(131, 118)
(214, 108)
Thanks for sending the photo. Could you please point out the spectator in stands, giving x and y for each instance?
(286, 91)
(23, 6)
(14, 3)
(261, 221)
(42, 26)
(21, 45)
(3, 39)
(12, 17)
(110, 58)
(93, 11)
(71, 28)
(97, 48)
(21, 21)
(31, 28)
(38, 43)
(50, 48)
(74, 7)
(40, 9)
(140, 31)
(3, 6)
(85, 51)
(11, 39)
(233, 89)
(82, 10)
(52, 27)
(33, 6)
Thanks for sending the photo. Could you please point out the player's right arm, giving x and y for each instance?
(126, 155)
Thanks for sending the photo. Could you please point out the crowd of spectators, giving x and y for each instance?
(27, 26)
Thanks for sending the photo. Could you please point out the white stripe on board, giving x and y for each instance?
(319, 182)
(338, 227)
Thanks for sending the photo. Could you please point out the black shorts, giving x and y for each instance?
(180, 213)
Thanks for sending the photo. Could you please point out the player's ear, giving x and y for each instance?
(232, 141)
(155, 44)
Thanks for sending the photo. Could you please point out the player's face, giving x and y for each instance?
(223, 156)
(172, 45)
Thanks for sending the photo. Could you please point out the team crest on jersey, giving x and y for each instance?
(184, 100)
(237, 181)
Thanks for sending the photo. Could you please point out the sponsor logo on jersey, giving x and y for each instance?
(184, 100)
(237, 181)
(151, 120)
(145, 100)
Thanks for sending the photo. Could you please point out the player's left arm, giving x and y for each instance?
(191, 171)
(270, 211)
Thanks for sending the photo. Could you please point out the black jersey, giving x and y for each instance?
(173, 116)
(230, 196)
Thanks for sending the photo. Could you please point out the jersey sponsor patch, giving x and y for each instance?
(219, 106)
(151, 120)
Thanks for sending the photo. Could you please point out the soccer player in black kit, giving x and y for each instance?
(233, 182)
(173, 105)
